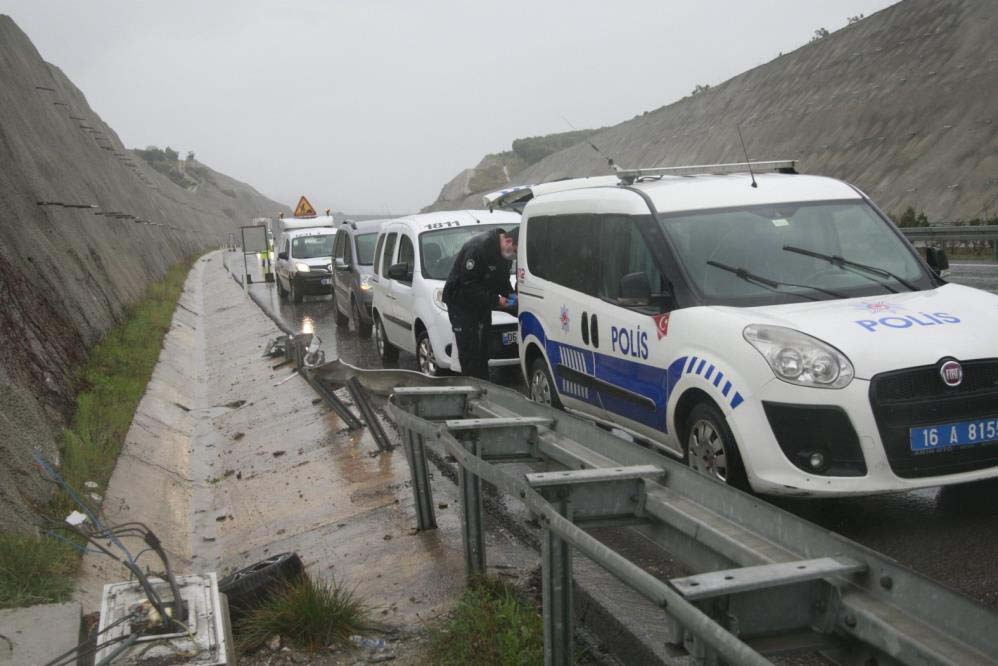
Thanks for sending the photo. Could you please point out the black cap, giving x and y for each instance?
(514, 233)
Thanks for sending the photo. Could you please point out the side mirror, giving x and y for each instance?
(398, 271)
(282, 255)
(341, 265)
(635, 289)
(936, 258)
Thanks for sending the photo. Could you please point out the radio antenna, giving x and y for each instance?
(609, 160)
(747, 160)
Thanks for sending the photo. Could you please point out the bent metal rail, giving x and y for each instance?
(766, 581)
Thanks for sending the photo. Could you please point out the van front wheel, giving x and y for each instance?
(710, 447)
(542, 387)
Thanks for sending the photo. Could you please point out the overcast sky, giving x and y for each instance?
(372, 105)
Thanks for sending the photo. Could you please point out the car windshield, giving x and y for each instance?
(365, 249)
(796, 250)
(437, 249)
(312, 247)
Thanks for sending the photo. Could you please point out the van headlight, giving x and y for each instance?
(438, 299)
(302, 268)
(798, 358)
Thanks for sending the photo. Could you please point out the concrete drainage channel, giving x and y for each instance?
(764, 582)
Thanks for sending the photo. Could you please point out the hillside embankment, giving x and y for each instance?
(85, 226)
(903, 104)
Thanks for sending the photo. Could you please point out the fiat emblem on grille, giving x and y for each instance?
(952, 373)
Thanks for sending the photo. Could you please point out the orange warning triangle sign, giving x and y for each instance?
(304, 208)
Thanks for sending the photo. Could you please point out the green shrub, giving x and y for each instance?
(309, 614)
(491, 625)
(34, 570)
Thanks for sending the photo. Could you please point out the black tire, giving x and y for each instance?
(247, 587)
(294, 294)
(388, 352)
(541, 385)
(362, 327)
(341, 319)
(281, 294)
(710, 447)
(425, 357)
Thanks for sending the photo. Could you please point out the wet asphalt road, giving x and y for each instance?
(948, 534)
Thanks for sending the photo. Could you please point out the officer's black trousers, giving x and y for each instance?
(471, 334)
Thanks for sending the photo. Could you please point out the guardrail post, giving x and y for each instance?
(556, 584)
(473, 533)
(422, 492)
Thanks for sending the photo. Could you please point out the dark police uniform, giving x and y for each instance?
(477, 279)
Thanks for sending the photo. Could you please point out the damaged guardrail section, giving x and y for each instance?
(766, 581)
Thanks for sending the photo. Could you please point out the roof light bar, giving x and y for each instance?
(628, 176)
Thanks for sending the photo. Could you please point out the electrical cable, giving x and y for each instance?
(54, 475)
(61, 659)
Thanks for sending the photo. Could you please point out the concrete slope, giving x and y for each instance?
(67, 274)
(904, 104)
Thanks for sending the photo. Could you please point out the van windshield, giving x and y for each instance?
(794, 249)
(438, 249)
(365, 249)
(312, 247)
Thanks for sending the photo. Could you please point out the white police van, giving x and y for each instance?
(412, 260)
(776, 331)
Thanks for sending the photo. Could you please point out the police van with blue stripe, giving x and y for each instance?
(773, 329)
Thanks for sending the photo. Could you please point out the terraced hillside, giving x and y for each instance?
(904, 104)
(85, 225)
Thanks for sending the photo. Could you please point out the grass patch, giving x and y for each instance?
(34, 570)
(37, 570)
(111, 385)
(492, 624)
(306, 613)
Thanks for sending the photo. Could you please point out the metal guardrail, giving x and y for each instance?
(766, 581)
(971, 233)
(977, 232)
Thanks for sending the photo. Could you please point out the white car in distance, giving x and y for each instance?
(412, 260)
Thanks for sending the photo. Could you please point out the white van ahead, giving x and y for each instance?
(775, 331)
(412, 259)
(304, 256)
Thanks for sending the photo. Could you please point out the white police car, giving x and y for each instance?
(775, 331)
(412, 259)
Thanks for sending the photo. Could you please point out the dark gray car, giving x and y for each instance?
(353, 264)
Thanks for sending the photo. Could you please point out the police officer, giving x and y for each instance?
(479, 283)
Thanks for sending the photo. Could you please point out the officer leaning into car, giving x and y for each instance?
(478, 284)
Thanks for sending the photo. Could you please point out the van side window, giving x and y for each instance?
(338, 246)
(377, 252)
(386, 260)
(348, 249)
(287, 247)
(623, 251)
(407, 256)
(563, 249)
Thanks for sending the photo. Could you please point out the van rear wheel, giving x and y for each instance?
(388, 352)
(363, 328)
(711, 449)
(542, 388)
(341, 318)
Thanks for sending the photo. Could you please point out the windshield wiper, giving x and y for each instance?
(773, 284)
(846, 264)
